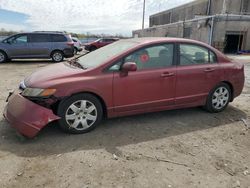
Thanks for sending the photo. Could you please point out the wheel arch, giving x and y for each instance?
(231, 88)
(104, 106)
(55, 51)
(1, 50)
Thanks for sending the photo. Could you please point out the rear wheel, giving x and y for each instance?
(57, 56)
(3, 57)
(219, 98)
(75, 50)
(80, 113)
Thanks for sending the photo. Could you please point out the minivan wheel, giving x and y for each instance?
(218, 98)
(80, 113)
(75, 51)
(57, 56)
(3, 57)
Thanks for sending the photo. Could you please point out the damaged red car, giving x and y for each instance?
(128, 77)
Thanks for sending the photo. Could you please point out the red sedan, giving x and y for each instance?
(99, 43)
(125, 78)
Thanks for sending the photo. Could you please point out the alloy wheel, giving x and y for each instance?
(81, 115)
(220, 98)
(2, 57)
(57, 56)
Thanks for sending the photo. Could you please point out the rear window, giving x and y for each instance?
(58, 38)
(39, 38)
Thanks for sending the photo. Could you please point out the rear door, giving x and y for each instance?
(18, 46)
(40, 45)
(197, 73)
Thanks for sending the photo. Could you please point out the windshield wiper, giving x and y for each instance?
(75, 62)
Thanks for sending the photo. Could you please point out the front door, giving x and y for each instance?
(152, 85)
(19, 46)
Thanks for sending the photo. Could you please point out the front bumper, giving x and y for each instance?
(27, 117)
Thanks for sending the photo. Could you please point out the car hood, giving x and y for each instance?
(50, 75)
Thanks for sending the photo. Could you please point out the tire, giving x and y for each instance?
(219, 98)
(92, 48)
(75, 50)
(80, 113)
(3, 57)
(57, 56)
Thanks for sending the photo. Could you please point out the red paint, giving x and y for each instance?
(136, 92)
(27, 117)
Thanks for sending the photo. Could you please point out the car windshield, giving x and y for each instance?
(100, 56)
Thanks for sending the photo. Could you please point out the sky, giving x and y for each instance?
(80, 16)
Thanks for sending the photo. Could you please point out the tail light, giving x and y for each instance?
(70, 43)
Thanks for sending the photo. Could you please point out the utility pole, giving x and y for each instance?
(143, 16)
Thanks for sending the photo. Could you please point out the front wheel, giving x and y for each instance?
(218, 98)
(80, 113)
(57, 56)
(3, 57)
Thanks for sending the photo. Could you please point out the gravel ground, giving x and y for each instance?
(179, 148)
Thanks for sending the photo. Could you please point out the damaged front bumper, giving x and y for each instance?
(26, 116)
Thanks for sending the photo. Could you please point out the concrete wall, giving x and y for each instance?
(200, 31)
(179, 26)
(198, 7)
(221, 28)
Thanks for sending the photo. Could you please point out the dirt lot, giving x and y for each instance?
(180, 148)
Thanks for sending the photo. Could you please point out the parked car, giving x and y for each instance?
(125, 78)
(77, 45)
(99, 43)
(54, 45)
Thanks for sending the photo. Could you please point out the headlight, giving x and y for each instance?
(36, 92)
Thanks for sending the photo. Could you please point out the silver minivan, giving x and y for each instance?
(51, 45)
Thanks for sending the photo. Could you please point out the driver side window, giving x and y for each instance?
(19, 40)
(153, 57)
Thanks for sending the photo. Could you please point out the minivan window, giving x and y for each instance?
(36, 38)
(20, 39)
(58, 38)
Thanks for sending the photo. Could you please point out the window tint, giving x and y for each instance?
(153, 57)
(192, 54)
(39, 38)
(20, 39)
(213, 57)
(58, 38)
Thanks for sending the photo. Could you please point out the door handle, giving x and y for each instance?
(209, 70)
(167, 74)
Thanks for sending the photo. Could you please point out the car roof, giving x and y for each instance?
(160, 39)
(153, 40)
(42, 32)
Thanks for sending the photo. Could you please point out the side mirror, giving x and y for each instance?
(128, 67)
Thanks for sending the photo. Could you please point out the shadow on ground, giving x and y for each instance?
(116, 132)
